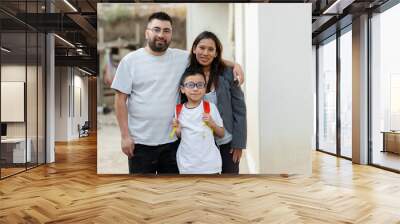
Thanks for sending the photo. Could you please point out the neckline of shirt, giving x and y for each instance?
(157, 56)
(193, 107)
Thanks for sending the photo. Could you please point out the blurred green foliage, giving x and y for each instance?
(120, 13)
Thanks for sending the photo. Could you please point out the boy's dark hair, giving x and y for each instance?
(160, 16)
(189, 72)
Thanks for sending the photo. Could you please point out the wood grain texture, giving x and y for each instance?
(70, 191)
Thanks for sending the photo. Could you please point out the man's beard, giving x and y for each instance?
(160, 47)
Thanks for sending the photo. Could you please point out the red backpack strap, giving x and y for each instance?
(206, 107)
(178, 110)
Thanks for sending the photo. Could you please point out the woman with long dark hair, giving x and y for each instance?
(223, 91)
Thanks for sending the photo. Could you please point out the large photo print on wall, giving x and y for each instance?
(204, 89)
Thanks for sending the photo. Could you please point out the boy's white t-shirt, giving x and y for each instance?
(197, 152)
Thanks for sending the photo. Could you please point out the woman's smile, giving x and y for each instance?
(205, 59)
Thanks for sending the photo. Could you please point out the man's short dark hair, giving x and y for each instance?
(160, 16)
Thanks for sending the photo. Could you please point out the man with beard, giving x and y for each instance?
(148, 79)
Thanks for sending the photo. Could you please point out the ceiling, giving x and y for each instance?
(76, 22)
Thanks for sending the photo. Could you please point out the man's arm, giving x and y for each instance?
(121, 111)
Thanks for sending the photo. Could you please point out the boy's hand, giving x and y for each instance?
(177, 126)
(217, 131)
(208, 120)
(175, 123)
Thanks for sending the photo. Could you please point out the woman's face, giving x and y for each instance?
(205, 52)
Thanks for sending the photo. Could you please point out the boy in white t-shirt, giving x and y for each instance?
(197, 152)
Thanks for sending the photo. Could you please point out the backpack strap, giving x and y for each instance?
(206, 107)
(178, 110)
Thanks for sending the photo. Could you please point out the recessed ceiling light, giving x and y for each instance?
(64, 40)
(5, 50)
(70, 5)
(84, 71)
(337, 7)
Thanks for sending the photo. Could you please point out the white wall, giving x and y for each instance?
(12, 101)
(286, 87)
(251, 54)
(314, 76)
(67, 117)
(17, 73)
(13, 75)
(212, 17)
(279, 87)
(80, 84)
(61, 103)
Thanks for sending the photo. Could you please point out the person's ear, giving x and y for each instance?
(182, 91)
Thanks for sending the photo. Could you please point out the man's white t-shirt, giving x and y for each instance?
(197, 152)
(152, 85)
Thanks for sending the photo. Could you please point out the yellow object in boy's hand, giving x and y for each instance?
(175, 126)
(171, 135)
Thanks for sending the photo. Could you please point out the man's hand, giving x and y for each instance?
(127, 146)
(237, 155)
(238, 74)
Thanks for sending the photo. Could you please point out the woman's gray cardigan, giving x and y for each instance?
(232, 108)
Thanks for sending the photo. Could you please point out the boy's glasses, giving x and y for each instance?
(191, 85)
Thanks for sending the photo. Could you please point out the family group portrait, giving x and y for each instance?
(173, 90)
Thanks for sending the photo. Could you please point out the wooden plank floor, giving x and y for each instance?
(70, 191)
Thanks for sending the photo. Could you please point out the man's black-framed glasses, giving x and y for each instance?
(191, 85)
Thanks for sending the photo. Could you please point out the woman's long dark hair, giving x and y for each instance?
(217, 65)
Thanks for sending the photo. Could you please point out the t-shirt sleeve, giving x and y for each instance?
(216, 116)
(182, 55)
(123, 78)
(186, 54)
